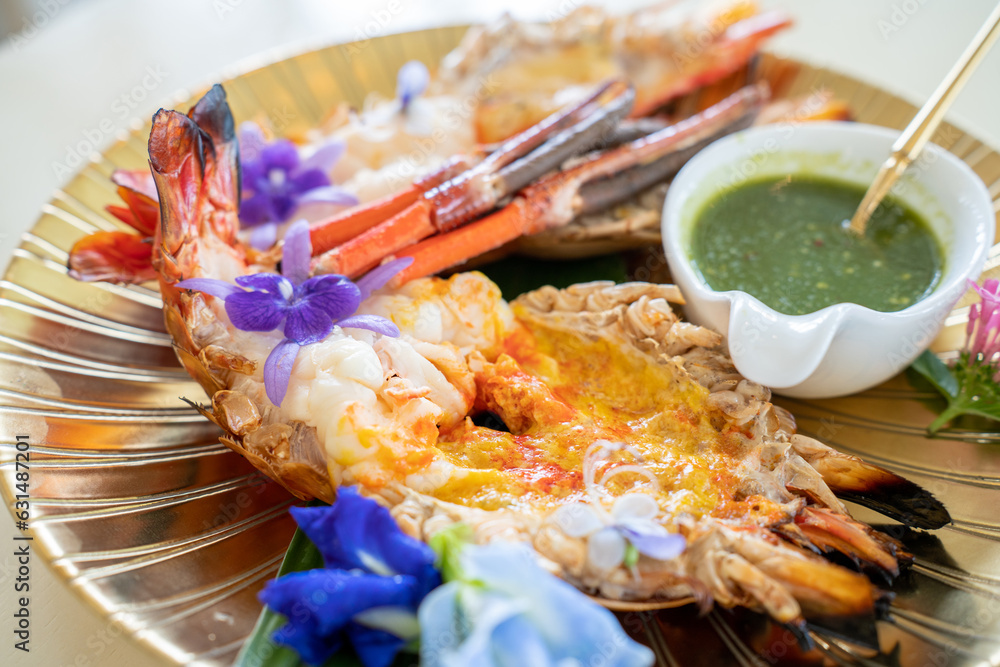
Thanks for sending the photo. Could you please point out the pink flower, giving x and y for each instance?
(982, 335)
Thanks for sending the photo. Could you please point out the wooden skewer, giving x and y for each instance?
(922, 127)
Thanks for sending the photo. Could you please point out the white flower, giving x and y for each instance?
(609, 534)
(630, 523)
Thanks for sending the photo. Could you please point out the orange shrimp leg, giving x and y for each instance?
(348, 224)
(446, 250)
(477, 190)
(599, 182)
(703, 65)
(363, 252)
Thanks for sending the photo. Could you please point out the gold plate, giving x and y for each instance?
(140, 509)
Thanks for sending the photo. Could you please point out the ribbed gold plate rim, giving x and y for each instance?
(162, 529)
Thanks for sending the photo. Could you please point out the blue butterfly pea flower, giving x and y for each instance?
(368, 594)
(356, 533)
(321, 606)
(506, 610)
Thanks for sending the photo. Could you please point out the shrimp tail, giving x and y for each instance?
(195, 164)
(194, 160)
(874, 487)
(213, 116)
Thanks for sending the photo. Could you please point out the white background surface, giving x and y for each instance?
(63, 77)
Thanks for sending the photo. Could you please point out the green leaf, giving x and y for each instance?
(631, 555)
(970, 391)
(259, 650)
(937, 372)
(979, 394)
(448, 544)
(990, 411)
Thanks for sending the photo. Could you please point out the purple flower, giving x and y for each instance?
(982, 334)
(307, 308)
(276, 183)
(375, 578)
(411, 82)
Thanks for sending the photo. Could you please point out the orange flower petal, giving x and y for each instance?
(119, 257)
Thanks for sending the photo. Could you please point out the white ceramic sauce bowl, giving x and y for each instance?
(844, 348)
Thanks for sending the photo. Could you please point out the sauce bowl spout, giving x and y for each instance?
(779, 351)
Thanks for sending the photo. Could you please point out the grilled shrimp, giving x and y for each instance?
(386, 148)
(427, 167)
(589, 422)
(524, 71)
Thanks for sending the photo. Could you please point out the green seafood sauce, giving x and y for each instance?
(785, 241)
